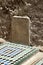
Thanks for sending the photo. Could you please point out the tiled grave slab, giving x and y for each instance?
(36, 59)
(40, 62)
(14, 54)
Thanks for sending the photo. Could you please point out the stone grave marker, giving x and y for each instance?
(20, 29)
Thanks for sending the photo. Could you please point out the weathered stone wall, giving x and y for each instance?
(34, 10)
(37, 31)
(5, 25)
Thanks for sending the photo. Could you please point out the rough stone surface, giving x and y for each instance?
(5, 25)
(37, 31)
(20, 29)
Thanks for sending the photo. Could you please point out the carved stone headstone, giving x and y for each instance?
(20, 27)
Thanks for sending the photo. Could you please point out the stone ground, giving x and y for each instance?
(2, 40)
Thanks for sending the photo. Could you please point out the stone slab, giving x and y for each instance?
(20, 27)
